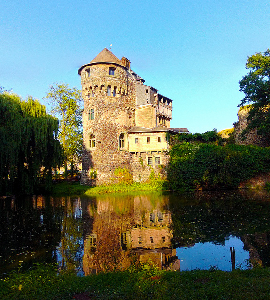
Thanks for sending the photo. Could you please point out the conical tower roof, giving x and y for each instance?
(106, 56)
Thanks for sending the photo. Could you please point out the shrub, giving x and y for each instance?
(210, 166)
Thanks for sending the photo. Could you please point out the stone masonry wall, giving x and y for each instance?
(252, 137)
(113, 115)
(145, 116)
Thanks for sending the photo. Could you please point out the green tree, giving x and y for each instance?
(66, 106)
(29, 148)
(256, 86)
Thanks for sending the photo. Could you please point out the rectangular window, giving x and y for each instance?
(109, 90)
(157, 160)
(159, 139)
(136, 140)
(87, 72)
(114, 91)
(148, 140)
(150, 160)
(111, 71)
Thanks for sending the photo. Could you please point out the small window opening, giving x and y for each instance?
(146, 91)
(151, 239)
(114, 91)
(163, 239)
(136, 140)
(148, 140)
(150, 161)
(152, 217)
(87, 72)
(111, 71)
(159, 139)
(109, 90)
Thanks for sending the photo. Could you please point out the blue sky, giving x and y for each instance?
(193, 52)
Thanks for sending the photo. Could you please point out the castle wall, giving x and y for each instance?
(147, 141)
(252, 137)
(145, 116)
(141, 169)
(144, 94)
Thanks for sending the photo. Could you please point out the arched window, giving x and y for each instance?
(91, 114)
(121, 141)
(92, 141)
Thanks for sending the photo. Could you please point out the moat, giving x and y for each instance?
(113, 232)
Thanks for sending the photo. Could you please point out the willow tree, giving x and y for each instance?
(66, 106)
(29, 148)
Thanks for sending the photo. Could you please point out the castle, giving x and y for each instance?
(125, 122)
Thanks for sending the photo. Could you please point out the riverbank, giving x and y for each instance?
(43, 283)
(76, 189)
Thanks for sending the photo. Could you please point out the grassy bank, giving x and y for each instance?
(147, 283)
(72, 189)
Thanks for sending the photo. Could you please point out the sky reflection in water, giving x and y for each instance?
(208, 255)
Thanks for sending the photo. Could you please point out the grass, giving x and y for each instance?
(42, 282)
(75, 189)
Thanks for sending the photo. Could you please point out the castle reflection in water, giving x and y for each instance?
(118, 234)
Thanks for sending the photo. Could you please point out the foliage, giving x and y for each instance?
(207, 137)
(72, 189)
(210, 166)
(122, 176)
(29, 148)
(93, 174)
(256, 86)
(227, 135)
(66, 105)
(43, 283)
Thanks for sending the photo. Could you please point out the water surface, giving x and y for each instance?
(113, 232)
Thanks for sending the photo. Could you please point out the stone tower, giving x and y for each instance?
(109, 110)
(125, 122)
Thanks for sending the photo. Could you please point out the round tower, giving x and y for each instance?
(108, 90)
